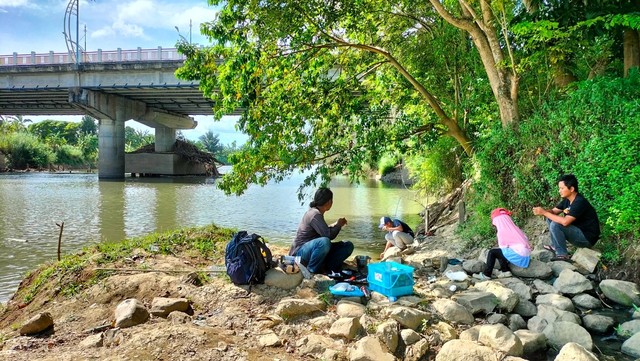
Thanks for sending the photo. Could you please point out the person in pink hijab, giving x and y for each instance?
(513, 246)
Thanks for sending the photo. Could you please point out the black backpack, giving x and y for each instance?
(247, 259)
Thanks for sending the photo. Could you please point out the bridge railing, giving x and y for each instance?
(99, 56)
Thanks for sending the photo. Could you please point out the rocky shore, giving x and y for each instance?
(175, 306)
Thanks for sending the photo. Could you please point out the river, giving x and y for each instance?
(31, 204)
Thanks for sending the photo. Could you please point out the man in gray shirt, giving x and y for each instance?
(313, 239)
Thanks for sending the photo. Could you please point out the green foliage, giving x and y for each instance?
(135, 139)
(593, 133)
(438, 170)
(88, 126)
(24, 150)
(69, 155)
(65, 132)
(211, 142)
(387, 164)
(335, 87)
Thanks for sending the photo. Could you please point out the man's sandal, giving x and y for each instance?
(565, 258)
(549, 248)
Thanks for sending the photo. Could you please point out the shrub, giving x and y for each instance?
(25, 150)
(593, 133)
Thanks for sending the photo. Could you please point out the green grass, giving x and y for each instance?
(206, 242)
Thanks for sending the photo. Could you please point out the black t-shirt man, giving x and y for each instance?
(585, 216)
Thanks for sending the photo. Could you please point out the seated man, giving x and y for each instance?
(578, 224)
(313, 238)
(399, 234)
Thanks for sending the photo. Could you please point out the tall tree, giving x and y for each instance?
(337, 84)
(211, 142)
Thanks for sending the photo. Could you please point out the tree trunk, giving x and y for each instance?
(631, 50)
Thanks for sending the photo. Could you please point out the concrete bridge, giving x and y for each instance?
(114, 87)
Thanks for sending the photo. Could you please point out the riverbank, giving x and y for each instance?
(542, 313)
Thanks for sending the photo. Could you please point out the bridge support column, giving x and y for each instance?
(111, 147)
(165, 138)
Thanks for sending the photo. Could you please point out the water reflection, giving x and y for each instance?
(32, 204)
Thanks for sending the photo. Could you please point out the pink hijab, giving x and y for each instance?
(509, 235)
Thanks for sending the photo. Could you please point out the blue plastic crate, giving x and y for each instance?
(390, 278)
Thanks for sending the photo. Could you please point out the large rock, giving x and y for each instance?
(629, 328)
(543, 287)
(369, 349)
(518, 286)
(570, 282)
(561, 333)
(575, 352)
(295, 307)
(526, 308)
(409, 336)
(586, 258)
(461, 350)
(558, 266)
(532, 342)
(587, 302)
(631, 346)
(552, 314)
(507, 299)
(409, 317)
(350, 309)
(500, 337)
(452, 311)
(162, 306)
(598, 323)
(276, 277)
(621, 292)
(388, 333)
(130, 312)
(555, 300)
(536, 269)
(346, 327)
(416, 351)
(315, 345)
(476, 301)
(37, 324)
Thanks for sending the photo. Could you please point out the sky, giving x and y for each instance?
(38, 25)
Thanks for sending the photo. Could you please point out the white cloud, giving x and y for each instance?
(103, 32)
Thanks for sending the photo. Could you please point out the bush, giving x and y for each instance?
(387, 164)
(593, 133)
(68, 155)
(25, 150)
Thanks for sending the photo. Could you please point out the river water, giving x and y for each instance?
(32, 203)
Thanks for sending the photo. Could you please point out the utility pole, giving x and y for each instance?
(190, 31)
(78, 32)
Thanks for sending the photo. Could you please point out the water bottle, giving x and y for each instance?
(393, 298)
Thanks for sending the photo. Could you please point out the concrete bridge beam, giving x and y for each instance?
(113, 111)
(165, 138)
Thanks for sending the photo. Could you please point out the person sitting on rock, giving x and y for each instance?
(313, 238)
(578, 224)
(513, 246)
(399, 234)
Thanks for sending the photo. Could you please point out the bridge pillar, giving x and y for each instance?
(111, 147)
(165, 138)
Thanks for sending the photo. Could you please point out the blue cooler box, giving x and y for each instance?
(390, 279)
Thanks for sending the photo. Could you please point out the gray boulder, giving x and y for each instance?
(561, 333)
(631, 346)
(598, 323)
(571, 282)
(586, 302)
(621, 292)
(536, 269)
(555, 300)
(476, 301)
